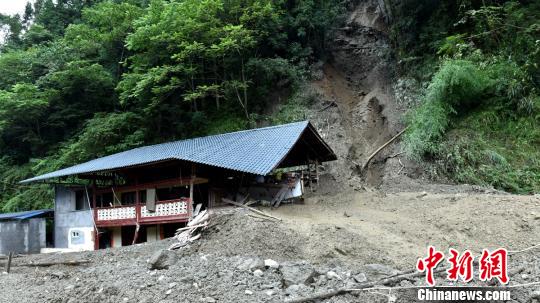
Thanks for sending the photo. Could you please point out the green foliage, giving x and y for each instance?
(295, 108)
(81, 79)
(492, 149)
(457, 86)
(480, 116)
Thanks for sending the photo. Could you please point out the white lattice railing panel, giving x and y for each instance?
(119, 213)
(166, 209)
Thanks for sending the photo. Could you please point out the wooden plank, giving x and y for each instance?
(47, 264)
(251, 209)
(151, 199)
(197, 209)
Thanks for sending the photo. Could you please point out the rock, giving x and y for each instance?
(208, 300)
(70, 287)
(258, 273)
(332, 275)
(380, 269)
(293, 289)
(173, 284)
(535, 295)
(58, 274)
(269, 293)
(270, 286)
(360, 278)
(245, 265)
(322, 280)
(256, 264)
(271, 263)
(248, 292)
(162, 259)
(405, 283)
(297, 273)
(422, 194)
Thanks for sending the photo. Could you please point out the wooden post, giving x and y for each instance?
(317, 172)
(8, 264)
(136, 234)
(137, 213)
(191, 185)
(309, 175)
(94, 213)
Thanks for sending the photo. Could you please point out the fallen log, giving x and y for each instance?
(251, 209)
(47, 264)
(382, 147)
(388, 280)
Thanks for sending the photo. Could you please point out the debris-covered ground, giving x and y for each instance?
(330, 242)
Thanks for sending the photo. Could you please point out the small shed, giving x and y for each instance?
(24, 232)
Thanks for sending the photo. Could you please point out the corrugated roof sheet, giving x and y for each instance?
(256, 151)
(25, 214)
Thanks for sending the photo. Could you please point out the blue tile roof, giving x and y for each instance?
(256, 151)
(25, 214)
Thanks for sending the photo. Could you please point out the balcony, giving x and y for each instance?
(177, 210)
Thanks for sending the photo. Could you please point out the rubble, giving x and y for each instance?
(185, 235)
(243, 259)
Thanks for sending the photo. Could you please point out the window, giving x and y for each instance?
(104, 200)
(81, 200)
(128, 198)
(142, 196)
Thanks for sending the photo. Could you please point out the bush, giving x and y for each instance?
(458, 86)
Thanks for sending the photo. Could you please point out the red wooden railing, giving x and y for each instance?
(176, 210)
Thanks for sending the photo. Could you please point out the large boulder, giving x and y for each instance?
(162, 259)
(297, 273)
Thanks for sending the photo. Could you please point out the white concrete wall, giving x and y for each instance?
(67, 220)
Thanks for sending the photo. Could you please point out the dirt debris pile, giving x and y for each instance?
(223, 266)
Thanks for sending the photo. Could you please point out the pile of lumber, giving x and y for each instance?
(191, 232)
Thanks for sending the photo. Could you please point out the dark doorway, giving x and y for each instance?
(128, 234)
(105, 236)
(169, 230)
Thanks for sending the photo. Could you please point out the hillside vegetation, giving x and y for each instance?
(479, 115)
(81, 79)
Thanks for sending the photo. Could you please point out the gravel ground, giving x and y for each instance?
(327, 243)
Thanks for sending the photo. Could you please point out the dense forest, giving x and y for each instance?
(81, 79)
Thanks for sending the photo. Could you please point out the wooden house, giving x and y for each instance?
(146, 193)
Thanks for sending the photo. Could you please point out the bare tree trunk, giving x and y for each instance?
(245, 88)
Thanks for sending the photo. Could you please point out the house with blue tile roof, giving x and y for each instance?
(146, 193)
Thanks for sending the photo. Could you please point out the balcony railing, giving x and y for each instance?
(177, 210)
